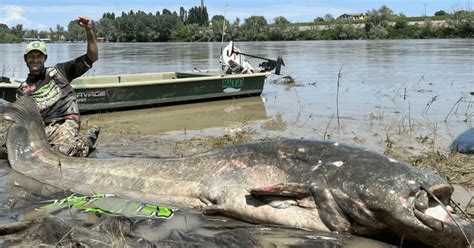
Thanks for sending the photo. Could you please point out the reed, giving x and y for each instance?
(428, 105)
(455, 104)
(327, 127)
(339, 79)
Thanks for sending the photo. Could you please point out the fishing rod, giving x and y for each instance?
(223, 24)
(269, 65)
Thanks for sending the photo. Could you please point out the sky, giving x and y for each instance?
(45, 14)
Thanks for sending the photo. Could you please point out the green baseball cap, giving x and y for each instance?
(36, 45)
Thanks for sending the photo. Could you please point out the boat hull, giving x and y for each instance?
(100, 93)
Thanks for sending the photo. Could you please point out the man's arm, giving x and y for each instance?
(92, 51)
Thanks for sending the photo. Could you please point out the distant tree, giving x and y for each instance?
(4, 27)
(281, 30)
(142, 26)
(255, 28)
(290, 33)
(440, 13)
(237, 22)
(170, 25)
(58, 34)
(378, 21)
(107, 27)
(281, 21)
(328, 17)
(7, 36)
(74, 33)
(217, 27)
(183, 14)
(31, 33)
(52, 35)
(319, 19)
(43, 34)
(198, 15)
(377, 32)
(344, 31)
(109, 16)
(462, 23)
(193, 25)
(380, 17)
(125, 28)
(427, 30)
(234, 29)
(18, 30)
(401, 21)
(217, 19)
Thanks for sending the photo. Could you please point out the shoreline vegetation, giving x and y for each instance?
(194, 25)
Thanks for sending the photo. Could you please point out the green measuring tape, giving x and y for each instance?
(107, 204)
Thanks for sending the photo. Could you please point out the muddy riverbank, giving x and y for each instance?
(407, 99)
(191, 228)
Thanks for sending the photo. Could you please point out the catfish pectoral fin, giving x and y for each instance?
(213, 210)
(330, 213)
(296, 190)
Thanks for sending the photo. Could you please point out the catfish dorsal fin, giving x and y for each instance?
(23, 111)
(296, 190)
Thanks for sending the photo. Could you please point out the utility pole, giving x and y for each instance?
(202, 4)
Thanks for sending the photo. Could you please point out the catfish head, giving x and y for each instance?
(368, 193)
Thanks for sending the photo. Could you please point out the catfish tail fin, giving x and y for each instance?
(23, 111)
(26, 137)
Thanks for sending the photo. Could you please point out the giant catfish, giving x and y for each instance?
(305, 184)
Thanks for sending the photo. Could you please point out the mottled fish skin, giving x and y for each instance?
(352, 189)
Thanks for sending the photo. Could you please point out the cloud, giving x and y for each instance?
(12, 15)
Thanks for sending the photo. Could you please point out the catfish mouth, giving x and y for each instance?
(433, 210)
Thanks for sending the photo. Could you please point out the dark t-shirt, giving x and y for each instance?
(52, 90)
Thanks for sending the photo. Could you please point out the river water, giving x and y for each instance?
(391, 81)
(357, 92)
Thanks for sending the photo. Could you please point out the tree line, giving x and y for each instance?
(194, 25)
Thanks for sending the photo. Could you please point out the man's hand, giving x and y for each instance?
(85, 22)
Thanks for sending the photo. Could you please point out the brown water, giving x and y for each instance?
(388, 82)
(412, 95)
(196, 116)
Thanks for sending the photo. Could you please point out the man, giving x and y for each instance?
(56, 99)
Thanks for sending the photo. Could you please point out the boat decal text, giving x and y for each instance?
(232, 82)
(93, 95)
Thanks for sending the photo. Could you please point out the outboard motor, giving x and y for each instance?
(5, 80)
(234, 61)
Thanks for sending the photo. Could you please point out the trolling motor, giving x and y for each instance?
(267, 65)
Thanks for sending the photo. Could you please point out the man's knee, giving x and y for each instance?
(74, 149)
(66, 139)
